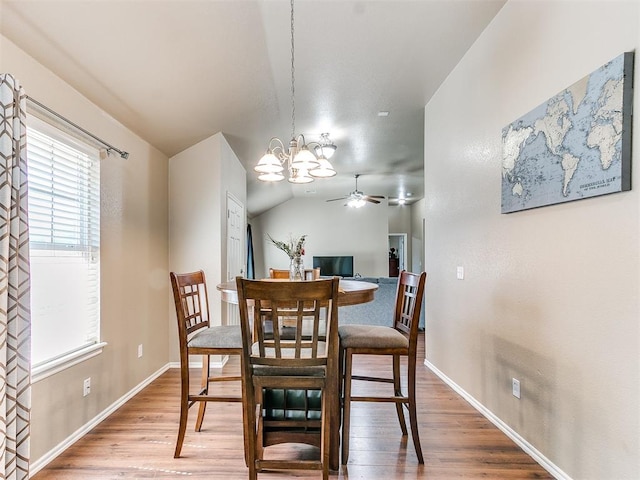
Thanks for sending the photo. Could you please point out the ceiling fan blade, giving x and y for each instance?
(371, 200)
(336, 199)
(376, 196)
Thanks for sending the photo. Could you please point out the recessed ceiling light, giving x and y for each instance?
(382, 113)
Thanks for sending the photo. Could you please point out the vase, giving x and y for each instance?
(296, 270)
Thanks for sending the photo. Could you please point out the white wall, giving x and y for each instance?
(135, 292)
(417, 237)
(550, 295)
(331, 229)
(199, 179)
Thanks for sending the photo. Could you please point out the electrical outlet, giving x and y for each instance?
(140, 351)
(515, 387)
(86, 387)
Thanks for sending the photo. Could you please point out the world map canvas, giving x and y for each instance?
(576, 145)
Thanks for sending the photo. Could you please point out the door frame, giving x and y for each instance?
(402, 240)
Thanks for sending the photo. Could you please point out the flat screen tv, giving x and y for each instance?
(341, 266)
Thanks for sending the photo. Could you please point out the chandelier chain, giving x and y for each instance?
(293, 80)
(302, 165)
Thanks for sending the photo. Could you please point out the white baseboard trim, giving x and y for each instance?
(43, 461)
(198, 363)
(506, 429)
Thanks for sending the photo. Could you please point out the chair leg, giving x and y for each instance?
(326, 436)
(249, 427)
(413, 417)
(346, 407)
(184, 408)
(204, 384)
(341, 374)
(398, 393)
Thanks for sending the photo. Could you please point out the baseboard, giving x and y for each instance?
(506, 429)
(217, 364)
(43, 461)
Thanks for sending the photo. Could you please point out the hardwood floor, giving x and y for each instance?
(138, 440)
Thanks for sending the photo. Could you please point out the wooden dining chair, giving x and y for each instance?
(289, 380)
(312, 273)
(197, 336)
(399, 340)
(309, 273)
(281, 274)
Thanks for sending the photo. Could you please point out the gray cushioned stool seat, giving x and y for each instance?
(368, 336)
(220, 336)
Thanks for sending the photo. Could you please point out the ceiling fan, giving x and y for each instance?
(357, 199)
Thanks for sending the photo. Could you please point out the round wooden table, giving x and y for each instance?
(351, 292)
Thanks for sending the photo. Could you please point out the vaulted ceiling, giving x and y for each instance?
(176, 72)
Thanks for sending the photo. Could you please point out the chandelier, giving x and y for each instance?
(300, 163)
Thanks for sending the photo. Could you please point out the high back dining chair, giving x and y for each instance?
(197, 336)
(397, 341)
(309, 273)
(288, 380)
(312, 273)
(281, 274)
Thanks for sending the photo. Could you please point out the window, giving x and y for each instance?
(64, 243)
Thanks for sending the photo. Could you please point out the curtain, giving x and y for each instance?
(251, 268)
(15, 315)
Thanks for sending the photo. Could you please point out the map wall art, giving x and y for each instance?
(576, 145)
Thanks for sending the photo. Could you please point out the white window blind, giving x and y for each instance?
(64, 242)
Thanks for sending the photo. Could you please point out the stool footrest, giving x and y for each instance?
(381, 399)
(288, 465)
(371, 379)
(207, 398)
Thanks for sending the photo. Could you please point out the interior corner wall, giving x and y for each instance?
(331, 229)
(199, 179)
(134, 281)
(550, 295)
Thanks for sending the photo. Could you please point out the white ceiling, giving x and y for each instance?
(176, 72)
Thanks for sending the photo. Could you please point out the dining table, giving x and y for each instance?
(350, 292)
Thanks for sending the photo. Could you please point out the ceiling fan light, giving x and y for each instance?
(271, 177)
(269, 163)
(356, 202)
(323, 170)
(304, 160)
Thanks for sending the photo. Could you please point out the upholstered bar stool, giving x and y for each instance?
(289, 380)
(197, 336)
(397, 341)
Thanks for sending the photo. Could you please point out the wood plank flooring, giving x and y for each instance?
(138, 440)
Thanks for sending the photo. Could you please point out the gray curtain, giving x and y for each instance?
(15, 314)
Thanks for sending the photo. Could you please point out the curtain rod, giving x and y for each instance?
(110, 148)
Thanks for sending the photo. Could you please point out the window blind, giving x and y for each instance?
(64, 242)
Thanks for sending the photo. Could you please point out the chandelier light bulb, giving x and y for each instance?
(271, 177)
(300, 176)
(269, 163)
(304, 159)
(323, 170)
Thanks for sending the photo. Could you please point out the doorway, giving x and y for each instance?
(235, 250)
(397, 249)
